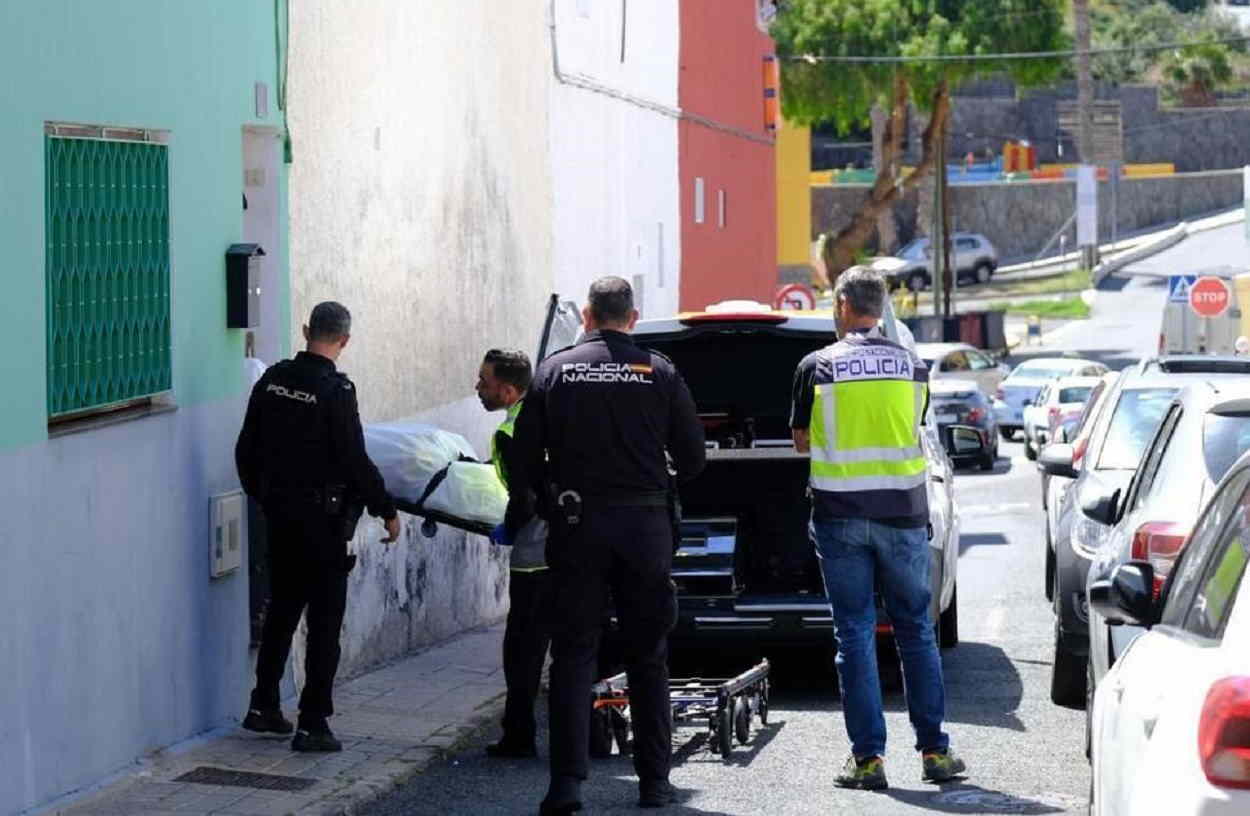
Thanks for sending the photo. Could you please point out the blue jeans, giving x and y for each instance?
(857, 556)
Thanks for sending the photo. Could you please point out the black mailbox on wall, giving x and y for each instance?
(243, 286)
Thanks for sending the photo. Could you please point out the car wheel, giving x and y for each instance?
(948, 622)
(1030, 452)
(917, 282)
(1050, 566)
(1089, 708)
(1067, 676)
(1007, 434)
(989, 459)
(983, 272)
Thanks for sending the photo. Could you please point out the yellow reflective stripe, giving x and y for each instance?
(822, 417)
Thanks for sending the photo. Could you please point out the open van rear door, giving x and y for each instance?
(561, 329)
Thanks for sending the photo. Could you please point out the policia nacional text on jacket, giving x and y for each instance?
(596, 426)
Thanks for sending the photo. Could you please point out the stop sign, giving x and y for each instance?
(1208, 297)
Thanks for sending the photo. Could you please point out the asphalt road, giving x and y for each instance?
(1024, 754)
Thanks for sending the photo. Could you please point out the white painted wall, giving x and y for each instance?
(420, 192)
(421, 198)
(614, 163)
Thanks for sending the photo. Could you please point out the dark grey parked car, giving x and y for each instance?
(962, 402)
(1127, 419)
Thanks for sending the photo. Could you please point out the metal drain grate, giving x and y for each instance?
(205, 775)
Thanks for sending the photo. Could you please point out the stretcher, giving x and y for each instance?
(433, 518)
(724, 706)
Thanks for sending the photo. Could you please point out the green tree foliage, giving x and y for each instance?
(1192, 75)
(844, 93)
(816, 91)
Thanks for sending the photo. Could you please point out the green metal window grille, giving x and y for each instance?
(107, 257)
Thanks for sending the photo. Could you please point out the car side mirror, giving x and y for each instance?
(1056, 460)
(1127, 596)
(1103, 508)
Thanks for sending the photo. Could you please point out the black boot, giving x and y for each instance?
(563, 797)
(508, 749)
(267, 721)
(656, 793)
(315, 737)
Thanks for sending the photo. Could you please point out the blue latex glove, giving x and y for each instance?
(500, 536)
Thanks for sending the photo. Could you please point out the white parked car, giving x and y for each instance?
(1055, 398)
(1170, 726)
(1026, 380)
(961, 361)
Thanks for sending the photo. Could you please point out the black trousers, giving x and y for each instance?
(525, 642)
(308, 567)
(628, 552)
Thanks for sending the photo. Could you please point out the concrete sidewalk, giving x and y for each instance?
(393, 723)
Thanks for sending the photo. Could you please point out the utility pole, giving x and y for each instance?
(1084, 83)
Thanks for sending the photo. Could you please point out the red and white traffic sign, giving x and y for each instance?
(796, 297)
(1208, 297)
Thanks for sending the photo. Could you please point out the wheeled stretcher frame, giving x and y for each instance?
(725, 705)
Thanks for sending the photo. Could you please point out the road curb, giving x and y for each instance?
(357, 797)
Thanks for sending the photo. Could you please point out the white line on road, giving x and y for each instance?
(1000, 509)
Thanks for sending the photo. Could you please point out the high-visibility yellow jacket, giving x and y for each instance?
(862, 400)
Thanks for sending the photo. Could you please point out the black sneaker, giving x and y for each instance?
(321, 740)
(656, 793)
(268, 721)
(508, 750)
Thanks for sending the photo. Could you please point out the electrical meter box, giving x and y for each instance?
(227, 512)
(243, 285)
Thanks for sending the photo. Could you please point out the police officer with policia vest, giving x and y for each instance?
(857, 408)
(301, 454)
(591, 441)
(502, 381)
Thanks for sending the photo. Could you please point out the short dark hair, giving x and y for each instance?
(863, 289)
(329, 321)
(611, 300)
(512, 367)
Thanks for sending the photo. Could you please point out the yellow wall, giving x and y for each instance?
(794, 197)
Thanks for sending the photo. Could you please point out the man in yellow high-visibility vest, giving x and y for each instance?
(503, 380)
(857, 409)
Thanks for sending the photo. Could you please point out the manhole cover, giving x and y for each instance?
(983, 801)
(205, 775)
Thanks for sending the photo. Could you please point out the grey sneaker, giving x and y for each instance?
(863, 774)
(941, 766)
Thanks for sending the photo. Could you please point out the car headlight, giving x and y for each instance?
(1086, 535)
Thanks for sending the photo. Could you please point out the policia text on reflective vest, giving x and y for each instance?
(862, 400)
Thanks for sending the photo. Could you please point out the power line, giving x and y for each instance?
(1015, 55)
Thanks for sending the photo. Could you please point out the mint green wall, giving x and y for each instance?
(186, 66)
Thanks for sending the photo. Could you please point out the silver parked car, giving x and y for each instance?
(973, 256)
(960, 361)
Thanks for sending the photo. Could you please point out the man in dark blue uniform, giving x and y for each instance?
(593, 441)
(301, 454)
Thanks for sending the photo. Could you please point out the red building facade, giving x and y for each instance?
(728, 175)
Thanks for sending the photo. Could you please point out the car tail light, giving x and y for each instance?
(1159, 542)
(1053, 413)
(974, 415)
(1162, 341)
(1224, 733)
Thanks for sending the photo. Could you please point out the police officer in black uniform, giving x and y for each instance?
(301, 454)
(592, 440)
